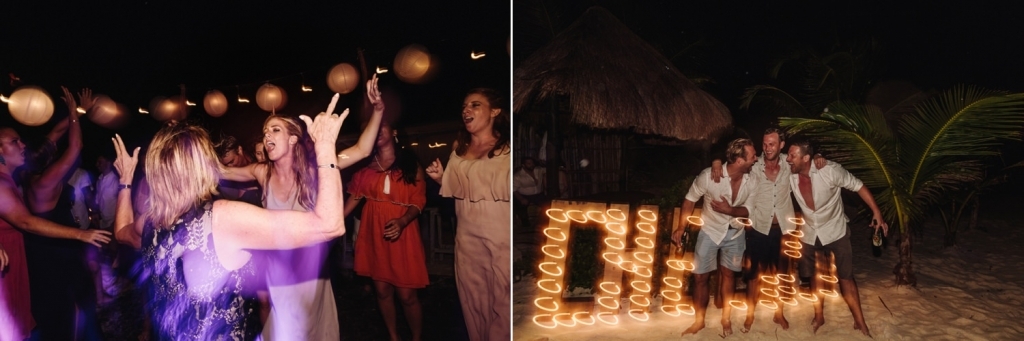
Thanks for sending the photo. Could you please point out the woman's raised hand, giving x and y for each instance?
(72, 105)
(325, 127)
(125, 163)
(85, 99)
(373, 93)
(435, 170)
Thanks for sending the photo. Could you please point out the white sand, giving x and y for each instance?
(971, 292)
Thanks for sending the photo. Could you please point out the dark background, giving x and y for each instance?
(134, 51)
(932, 44)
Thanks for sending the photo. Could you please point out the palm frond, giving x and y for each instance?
(858, 138)
(774, 100)
(964, 123)
(948, 178)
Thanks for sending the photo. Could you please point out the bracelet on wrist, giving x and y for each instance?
(124, 186)
(331, 166)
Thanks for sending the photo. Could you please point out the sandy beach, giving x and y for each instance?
(973, 291)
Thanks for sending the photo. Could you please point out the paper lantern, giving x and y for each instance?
(164, 109)
(271, 98)
(412, 64)
(215, 103)
(180, 108)
(107, 113)
(30, 105)
(343, 78)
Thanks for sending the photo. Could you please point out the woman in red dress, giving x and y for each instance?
(388, 248)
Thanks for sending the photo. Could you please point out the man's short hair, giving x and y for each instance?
(528, 158)
(805, 146)
(782, 134)
(227, 143)
(737, 148)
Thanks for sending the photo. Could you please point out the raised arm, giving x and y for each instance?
(43, 188)
(126, 229)
(240, 174)
(244, 226)
(14, 212)
(436, 170)
(364, 146)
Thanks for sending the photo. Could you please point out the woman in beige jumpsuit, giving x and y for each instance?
(478, 177)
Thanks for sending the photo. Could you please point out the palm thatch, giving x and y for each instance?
(615, 80)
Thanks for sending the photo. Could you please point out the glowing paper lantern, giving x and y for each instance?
(30, 105)
(107, 113)
(215, 103)
(164, 109)
(412, 64)
(343, 78)
(271, 97)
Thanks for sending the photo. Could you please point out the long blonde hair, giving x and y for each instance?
(303, 163)
(182, 170)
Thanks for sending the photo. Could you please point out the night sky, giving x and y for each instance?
(932, 45)
(142, 49)
(134, 51)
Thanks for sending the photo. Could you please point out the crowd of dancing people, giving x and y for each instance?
(205, 240)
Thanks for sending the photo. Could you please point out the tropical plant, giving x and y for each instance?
(940, 146)
(808, 81)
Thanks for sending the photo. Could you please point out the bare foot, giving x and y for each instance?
(726, 328)
(817, 323)
(694, 328)
(781, 320)
(747, 323)
(862, 330)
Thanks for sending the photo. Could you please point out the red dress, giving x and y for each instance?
(399, 262)
(15, 308)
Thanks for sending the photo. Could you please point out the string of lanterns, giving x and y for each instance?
(32, 106)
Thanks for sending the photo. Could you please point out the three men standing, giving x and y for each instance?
(817, 185)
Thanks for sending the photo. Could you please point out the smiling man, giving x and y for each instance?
(818, 193)
(723, 202)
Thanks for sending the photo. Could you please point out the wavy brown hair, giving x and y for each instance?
(304, 165)
(500, 129)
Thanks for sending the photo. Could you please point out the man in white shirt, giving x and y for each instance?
(106, 192)
(528, 188)
(81, 181)
(724, 202)
(818, 193)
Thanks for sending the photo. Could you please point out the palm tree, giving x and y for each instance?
(806, 80)
(935, 149)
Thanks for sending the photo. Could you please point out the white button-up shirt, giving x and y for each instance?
(523, 184)
(772, 197)
(81, 181)
(106, 197)
(716, 224)
(827, 221)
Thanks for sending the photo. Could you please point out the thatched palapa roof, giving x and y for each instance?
(615, 80)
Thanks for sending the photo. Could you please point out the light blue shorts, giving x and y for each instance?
(706, 251)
